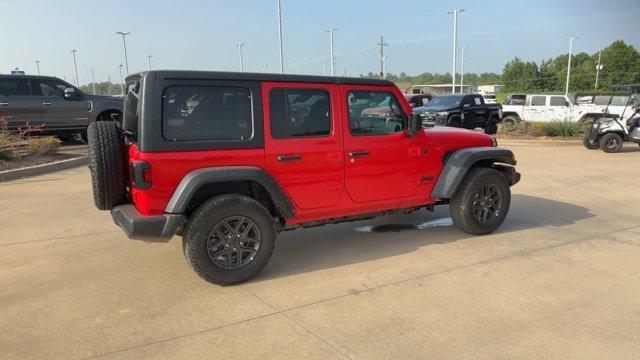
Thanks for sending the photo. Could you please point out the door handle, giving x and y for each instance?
(289, 158)
(46, 103)
(4, 103)
(359, 153)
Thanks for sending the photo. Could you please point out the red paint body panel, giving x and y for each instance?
(326, 182)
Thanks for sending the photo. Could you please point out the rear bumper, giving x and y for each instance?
(155, 228)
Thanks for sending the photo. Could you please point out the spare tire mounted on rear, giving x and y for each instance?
(106, 163)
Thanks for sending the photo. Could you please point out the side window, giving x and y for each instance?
(374, 113)
(299, 113)
(538, 100)
(557, 101)
(14, 87)
(207, 113)
(48, 88)
(468, 101)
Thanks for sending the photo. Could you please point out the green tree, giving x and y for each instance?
(519, 75)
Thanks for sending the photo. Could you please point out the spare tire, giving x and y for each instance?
(106, 163)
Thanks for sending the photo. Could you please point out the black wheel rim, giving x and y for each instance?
(612, 143)
(233, 242)
(486, 203)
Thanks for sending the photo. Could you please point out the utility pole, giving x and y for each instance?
(38, 66)
(119, 66)
(124, 44)
(384, 66)
(75, 65)
(462, 70)
(265, 66)
(382, 44)
(280, 36)
(149, 61)
(566, 88)
(93, 81)
(455, 44)
(598, 68)
(332, 58)
(240, 45)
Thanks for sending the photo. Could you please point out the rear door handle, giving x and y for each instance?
(46, 103)
(289, 158)
(4, 104)
(359, 153)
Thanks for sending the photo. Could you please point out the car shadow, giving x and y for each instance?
(308, 250)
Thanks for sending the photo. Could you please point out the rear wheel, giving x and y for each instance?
(509, 122)
(229, 239)
(492, 126)
(482, 201)
(611, 142)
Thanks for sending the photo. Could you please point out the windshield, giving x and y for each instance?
(445, 100)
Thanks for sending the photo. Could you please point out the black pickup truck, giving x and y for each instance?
(467, 111)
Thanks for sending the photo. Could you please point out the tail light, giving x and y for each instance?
(140, 174)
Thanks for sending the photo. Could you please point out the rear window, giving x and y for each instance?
(207, 113)
(557, 101)
(131, 110)
(14, 87)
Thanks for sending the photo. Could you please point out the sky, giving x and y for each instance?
(202, 35)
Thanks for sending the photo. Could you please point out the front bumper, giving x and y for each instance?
(152, 228)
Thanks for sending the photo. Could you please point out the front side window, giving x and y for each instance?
(49, 88)
(374, 113)
(538, 100)
(299, 113)
(207, 113)
(14, 87)
(557, 101)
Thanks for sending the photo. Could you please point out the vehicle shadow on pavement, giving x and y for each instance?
(307, 250)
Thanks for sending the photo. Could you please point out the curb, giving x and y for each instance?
(538, 142)
(43, 169)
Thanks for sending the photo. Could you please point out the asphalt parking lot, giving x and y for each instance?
(558, 280)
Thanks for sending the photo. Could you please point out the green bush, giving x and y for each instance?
(42, 145)
(565, 128)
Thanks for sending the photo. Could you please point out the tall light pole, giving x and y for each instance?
(598, 68)
(455, 44)
(384, 66)
(265, 67)
(240, 45)
(124, 44)
(149, 61)
(462, 70)
(566, 88)
(75, 65)
(324, 67)
(119, 66)
(93, 81)
(382, 44)
(280, 36)
(332, 59)
(38, 66)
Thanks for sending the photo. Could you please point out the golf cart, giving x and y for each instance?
(610, 132)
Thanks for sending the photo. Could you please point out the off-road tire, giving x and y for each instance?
(492, 126)
(509, 122)
(461, 204)
(201, 223)
(106, 164)
(606, 141)
(591, 145)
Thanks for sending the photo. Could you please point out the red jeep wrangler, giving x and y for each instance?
(228, 160)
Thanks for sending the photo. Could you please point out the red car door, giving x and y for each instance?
(303, 143)
(381, 161)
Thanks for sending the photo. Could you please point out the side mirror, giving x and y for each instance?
(415, 124)
(71, 94)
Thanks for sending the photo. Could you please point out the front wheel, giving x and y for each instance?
(611, 142)
(482, 201)
(590, 141)
(229, 239)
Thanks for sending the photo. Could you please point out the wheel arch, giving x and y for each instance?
(458, 164)
(102, 115)
(202, 184)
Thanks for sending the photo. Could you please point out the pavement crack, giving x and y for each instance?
(59, 238)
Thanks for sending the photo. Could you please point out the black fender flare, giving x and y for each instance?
(458, 164)
(197, 178)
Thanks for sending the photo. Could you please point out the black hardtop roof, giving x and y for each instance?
(247, 76)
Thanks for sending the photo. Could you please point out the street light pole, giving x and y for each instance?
(119, 66)
(93, 81)
(598, 68)
(455, 44)
(280, 36)
(566, 88)
(324, 67)
(38, 66)
(332, 59)
(241, 59)
(149, 61)
(124, 44)
(384, 66)
(75, 65)
(462, 70)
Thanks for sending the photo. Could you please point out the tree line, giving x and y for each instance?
(620, 65)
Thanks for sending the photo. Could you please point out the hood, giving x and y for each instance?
(458, 136)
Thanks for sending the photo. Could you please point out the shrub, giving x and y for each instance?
(524, 128)
(42, 145)
(11, 141)
(565, 128)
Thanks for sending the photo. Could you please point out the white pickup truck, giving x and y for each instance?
(547, 108)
